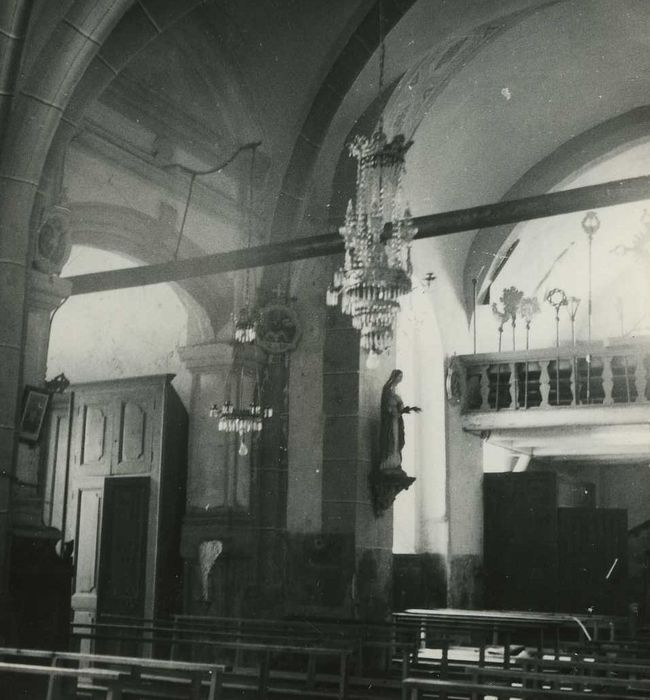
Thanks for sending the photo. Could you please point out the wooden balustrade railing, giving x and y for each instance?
(550, 377)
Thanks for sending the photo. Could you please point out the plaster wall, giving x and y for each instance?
(117, 334)
(91, 176)
(420, 513)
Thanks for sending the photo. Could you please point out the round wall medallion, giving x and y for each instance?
(53, 242)
(455, 382)
(278, 328)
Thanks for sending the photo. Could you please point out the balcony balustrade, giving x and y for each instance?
(549, 378)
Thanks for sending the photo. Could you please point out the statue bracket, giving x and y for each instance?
(385, 484)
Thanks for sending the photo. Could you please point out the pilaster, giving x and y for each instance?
(45, 294)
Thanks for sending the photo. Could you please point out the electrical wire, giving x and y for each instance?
(198, 173)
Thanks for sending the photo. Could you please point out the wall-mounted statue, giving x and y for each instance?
(391, 433)
(388, 478)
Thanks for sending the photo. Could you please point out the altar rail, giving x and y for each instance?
(550, 377)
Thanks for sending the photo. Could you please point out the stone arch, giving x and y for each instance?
(565, 162)
(148, 240)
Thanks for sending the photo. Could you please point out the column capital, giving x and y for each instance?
(46, 292)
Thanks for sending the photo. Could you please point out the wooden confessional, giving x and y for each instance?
(116, 476)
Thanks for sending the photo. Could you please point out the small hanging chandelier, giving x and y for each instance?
(235, 417)
(245, 320)
(378, 231)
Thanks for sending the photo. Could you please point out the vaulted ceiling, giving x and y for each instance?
(489, 90)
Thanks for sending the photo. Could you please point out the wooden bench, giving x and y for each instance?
(508, 627)
(263, 650)
(588, 680)
(418, 688)
(266, 651)
(143, 677)
(111, 681)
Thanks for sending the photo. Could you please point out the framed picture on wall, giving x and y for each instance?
(35, 403)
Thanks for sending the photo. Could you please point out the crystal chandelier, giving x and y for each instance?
(378, 231)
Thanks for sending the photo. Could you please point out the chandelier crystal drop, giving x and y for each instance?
(377, 232)
(245, 324)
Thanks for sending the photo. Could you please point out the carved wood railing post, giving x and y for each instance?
(485, 388)
(608, 381)
(543, 378)
(544, 383)
(574, 380)
(513, 386)
(640, 378)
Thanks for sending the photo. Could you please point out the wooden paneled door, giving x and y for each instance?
(123, 547)
(135, 417)
(520, 540)
(592, 549)
(89, 497)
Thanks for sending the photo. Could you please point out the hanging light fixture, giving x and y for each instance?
(377, 232)
(245, 320)
(234, 417)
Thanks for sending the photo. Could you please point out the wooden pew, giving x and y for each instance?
(512, 627)
(587, 680)
(111, 681)
(501, 684)
(586, 667)
(142, 677)
(263, 650)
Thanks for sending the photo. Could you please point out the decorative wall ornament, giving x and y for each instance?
(32, 417)
(209, 552)
(53, 240)
(278, 328)
(377, 233)
(455, 381)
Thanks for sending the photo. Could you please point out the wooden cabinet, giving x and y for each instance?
(121, 493)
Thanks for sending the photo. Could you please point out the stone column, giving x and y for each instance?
(361, 539)
(45, 294)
